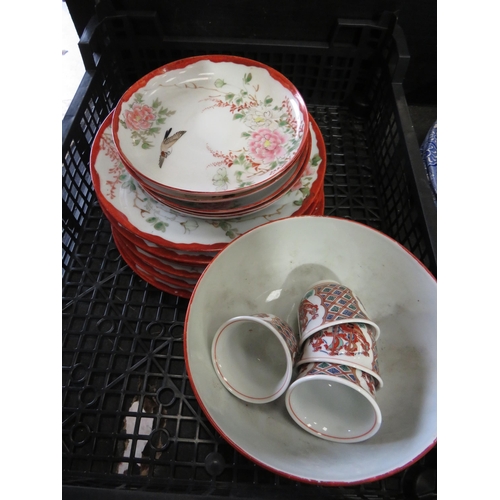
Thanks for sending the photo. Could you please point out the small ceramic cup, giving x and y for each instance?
(253, 356)
(328, 303)
(351, 344)
(334, 402)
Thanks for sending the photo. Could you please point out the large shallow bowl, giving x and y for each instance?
(210, 124)
(267, 270)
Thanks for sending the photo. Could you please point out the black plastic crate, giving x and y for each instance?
(123, 338)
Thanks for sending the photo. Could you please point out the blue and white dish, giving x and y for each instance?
(429, 156)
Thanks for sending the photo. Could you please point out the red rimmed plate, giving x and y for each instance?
(139, 268)
(126, 203)
(242, 205)
(210, 125)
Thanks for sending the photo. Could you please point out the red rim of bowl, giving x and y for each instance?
(182, 63)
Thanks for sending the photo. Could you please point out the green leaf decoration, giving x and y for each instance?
(219, 83)
(231, 234)
(138, 98)
(282, 123)
(238, 116)
(160, 121)
(146, 145)
(136, 142)
(247, 78)
(315, 160)
(161, 226)
(122, 177)
(245, 134)
(298, 202)
(153, 130)
(241, 158)
(156, 103)
(273, 165)
(166, 112)
(229, 96)
(268, 100)
(305, 191)
(225, 226)
(151, 220)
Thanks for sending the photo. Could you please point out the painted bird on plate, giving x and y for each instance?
(167, 144)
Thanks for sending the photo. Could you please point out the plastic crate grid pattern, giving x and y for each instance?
(122, 341)
(321, 75)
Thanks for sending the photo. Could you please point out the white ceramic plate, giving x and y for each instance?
(225, 124)
(267, 270)
(125, 200)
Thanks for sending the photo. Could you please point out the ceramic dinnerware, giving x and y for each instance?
(253, 357)
(329, 303)
(126, 202)
(334, 402)
(210, 124)
(351, 344)
(254, 274)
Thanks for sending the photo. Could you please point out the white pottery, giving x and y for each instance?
(351, 344)
(238, 200)
(267, 270)
(253, 357)
(334, 402)
(124, 200)
(210, 124)
(238, 207)
(329, 303)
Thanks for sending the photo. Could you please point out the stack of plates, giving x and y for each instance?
(197, 153)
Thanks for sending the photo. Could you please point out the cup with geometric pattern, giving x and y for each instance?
(334, 402)
(329, 303)
(351, 344)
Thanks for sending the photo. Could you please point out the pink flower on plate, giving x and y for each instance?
(140, 117)
(267, 145)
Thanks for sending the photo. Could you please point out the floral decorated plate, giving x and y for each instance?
(182, 257)
(246, 202)
(210, 125)
(398, 293)
(233, 209)
(126, 203)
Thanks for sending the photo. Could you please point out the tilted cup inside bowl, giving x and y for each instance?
(334, 402)
(351, 344)
(253, 356)
(328, 303)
